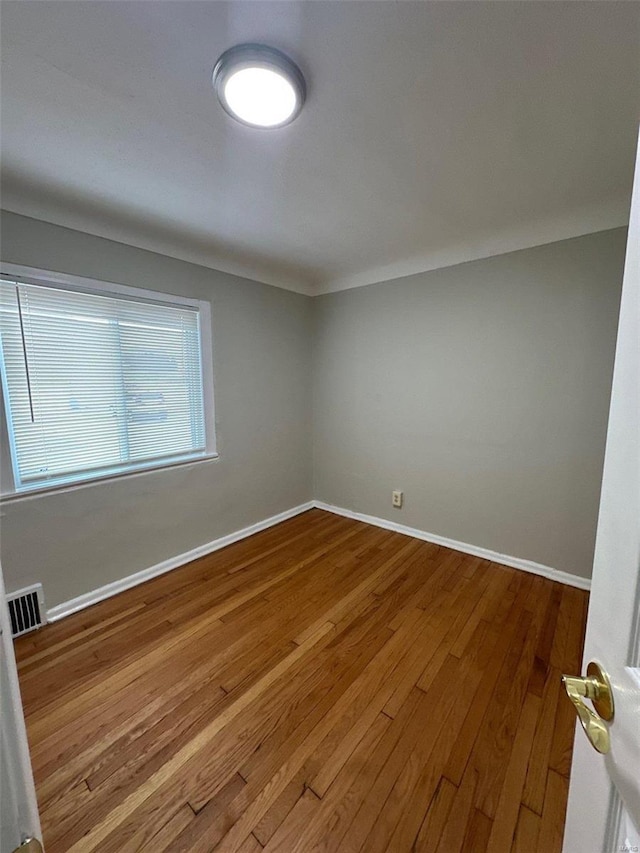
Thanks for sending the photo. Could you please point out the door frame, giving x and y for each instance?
(14, 733)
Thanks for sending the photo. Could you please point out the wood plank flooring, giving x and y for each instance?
(323, 685)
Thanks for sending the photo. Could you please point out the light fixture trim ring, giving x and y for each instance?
(252, 55)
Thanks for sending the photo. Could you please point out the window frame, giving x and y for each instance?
(46, 278)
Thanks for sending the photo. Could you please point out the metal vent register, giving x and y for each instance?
(26, 609)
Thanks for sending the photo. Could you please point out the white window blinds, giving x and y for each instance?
(97, 384)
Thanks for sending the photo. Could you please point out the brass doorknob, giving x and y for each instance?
(29, 845)
(596, 687)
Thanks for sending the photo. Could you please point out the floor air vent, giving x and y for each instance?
(26, 609)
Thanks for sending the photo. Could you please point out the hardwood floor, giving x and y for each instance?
(323, 685)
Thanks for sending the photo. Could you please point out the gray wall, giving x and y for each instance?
(78, 540)
(482, 391)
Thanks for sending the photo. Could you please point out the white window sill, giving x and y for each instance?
(37, 491)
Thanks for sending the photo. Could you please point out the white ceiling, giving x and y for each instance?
(434, 132)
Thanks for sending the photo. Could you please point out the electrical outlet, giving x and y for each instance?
(396, 498)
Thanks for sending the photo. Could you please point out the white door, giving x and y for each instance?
(19, 819)
(604, 796)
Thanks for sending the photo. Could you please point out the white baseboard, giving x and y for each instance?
(474, 550)
(106, 591)
(113, 588)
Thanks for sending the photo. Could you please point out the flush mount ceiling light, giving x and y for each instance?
(259, 86)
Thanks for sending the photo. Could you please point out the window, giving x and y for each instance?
(98, 383)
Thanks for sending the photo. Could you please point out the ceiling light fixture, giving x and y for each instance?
(259, 86)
